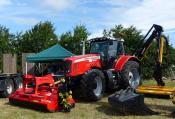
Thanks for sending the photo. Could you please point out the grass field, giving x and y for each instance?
(87, 110)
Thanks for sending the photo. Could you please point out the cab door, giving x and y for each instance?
(115, 50)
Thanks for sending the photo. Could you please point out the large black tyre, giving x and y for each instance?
(9, 88)
(130, 75)
(93, 85)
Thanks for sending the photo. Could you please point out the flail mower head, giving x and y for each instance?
(44, 97)
(129, 102)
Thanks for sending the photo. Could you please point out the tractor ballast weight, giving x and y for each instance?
(40, 96)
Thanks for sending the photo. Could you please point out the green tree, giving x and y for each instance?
(66, 41)
(40, 37)
(73, 40)
(5, 42)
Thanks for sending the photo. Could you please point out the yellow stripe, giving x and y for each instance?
(161, 49)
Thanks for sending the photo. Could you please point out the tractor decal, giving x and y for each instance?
(90, 59)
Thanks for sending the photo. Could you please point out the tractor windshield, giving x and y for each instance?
(109, 51)
(99, 48)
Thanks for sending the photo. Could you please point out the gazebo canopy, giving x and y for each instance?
(55, 52)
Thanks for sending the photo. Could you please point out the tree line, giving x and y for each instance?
(42, 35)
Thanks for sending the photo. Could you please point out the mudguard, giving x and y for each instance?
(122, 61)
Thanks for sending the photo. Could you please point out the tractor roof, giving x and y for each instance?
(103, 39)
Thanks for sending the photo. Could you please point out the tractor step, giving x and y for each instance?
(128, 102)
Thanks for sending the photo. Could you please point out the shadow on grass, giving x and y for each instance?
(157, 96)
(1, 96)
(24, 105)
(162, 107)
(106, 108)
(170, 109)
(85, 100)
(33, 106)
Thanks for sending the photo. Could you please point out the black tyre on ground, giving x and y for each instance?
(93, 85)
(9, 88)
(130, 75)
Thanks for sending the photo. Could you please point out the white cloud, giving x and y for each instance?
(124, 3)
(24, 21)
(19, 20)
(57, 4)
(5, 2)
(147, 13)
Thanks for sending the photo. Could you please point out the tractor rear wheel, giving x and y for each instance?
(130, 75)
(93, 85)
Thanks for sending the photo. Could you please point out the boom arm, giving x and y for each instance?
(160, 39)
(155, 34)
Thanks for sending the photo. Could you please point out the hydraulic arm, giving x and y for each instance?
(160, 40)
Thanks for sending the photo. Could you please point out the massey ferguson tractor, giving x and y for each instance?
(108, 67)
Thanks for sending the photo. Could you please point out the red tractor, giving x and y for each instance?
(106, 67)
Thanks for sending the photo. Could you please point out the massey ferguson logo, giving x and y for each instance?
(90, 59)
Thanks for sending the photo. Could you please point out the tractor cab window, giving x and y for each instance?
(112, 52)
(99, 48)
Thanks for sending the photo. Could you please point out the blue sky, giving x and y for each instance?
(21, 15)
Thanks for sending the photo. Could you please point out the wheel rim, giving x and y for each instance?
(9, 88)
(134, 78)
(97, 91)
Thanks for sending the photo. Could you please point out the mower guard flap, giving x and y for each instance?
(126, 98)
(127, 101)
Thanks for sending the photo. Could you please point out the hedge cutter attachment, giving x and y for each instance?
(128, 99)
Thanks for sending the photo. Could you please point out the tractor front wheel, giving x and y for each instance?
(93, 84)
(130, 75)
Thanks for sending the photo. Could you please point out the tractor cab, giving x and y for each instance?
(108, 48)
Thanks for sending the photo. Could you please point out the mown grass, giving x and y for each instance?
(90, 110)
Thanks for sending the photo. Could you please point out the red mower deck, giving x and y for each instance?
(42, 97)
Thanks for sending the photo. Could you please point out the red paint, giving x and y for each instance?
(42, 95)
(122, 61)
(83, 63)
